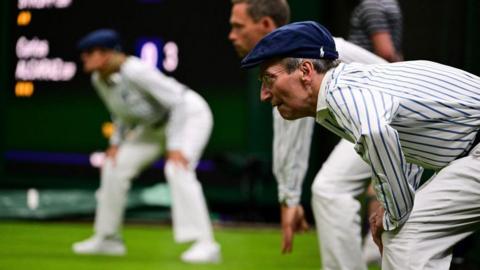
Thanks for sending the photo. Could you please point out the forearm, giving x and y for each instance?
(391, 176)
(383, 46)
(291, 148)
(118, 132)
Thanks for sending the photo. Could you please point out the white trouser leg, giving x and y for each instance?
(190, 216)
(189, 210)
(341, 178)
(116, 177)
(446, 210)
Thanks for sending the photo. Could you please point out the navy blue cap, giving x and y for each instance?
(102, 38)
(306, 39)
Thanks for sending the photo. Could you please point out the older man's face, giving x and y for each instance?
(284, 91)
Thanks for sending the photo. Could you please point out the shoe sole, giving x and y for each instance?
(100, 252)
(215, 260)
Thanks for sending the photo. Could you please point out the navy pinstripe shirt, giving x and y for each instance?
(397, 114)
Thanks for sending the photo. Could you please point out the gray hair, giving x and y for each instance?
(278, 10)
(320, 65)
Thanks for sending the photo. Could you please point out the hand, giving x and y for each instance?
(177, 158)
(293, 220)
(376, 227)
(111, 153)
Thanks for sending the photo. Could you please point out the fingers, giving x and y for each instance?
(304, 226)
(301, 226)
(301, 223)
(376, 230)
(376, 227)
(177, 158)
(378, 241)
(112, 154)
(287, 241)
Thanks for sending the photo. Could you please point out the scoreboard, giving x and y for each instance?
(187, 39)
(51, 107)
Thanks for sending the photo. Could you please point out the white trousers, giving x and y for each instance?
(343, 177)
(446, 210)
(141, 148)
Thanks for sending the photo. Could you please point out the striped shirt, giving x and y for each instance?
(373, 16)
(292, 139)
(416, 112)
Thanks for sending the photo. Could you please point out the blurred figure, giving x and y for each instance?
(376, 25)
(148, 108)
(342, 177)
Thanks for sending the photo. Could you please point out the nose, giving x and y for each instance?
(231, 36)
(265, 95)
(83, 56)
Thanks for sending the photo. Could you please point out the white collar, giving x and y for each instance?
(322, 93)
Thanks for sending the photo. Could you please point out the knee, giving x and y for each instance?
(173, 172)
(170, 171)
(120, 170)
(177, 175)
(116, 177)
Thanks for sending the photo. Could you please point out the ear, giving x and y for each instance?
(307, 69)
(268, 24)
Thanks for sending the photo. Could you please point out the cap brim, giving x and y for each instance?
(251, 64)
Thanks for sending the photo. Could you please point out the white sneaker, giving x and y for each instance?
(202, 252)
(100, 245)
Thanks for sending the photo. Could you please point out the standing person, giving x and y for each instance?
(342, 177)
(376, 25)
(399, 116)
(147, 108)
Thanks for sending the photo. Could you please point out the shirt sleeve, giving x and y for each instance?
(119, 131)
(120, 128)
(373, 17)
(291, 149)
(166, 91)
(350, 53)
(365, 115)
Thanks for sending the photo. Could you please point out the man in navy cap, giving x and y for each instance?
(147, 108)
(340, 241)
(399, 116)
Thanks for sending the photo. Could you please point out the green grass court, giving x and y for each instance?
(41, 245)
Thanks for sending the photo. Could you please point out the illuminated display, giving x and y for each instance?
(51, 105)
(24, 18)
(24, 89)
(42, 4)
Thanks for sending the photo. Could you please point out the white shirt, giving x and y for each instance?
(396, 114)
(140, 95)
(291, 139)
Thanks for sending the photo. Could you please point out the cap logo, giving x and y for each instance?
(322, 53)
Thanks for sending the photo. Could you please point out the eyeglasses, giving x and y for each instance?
(267, 79)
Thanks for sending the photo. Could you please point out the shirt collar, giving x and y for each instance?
(322, 94)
